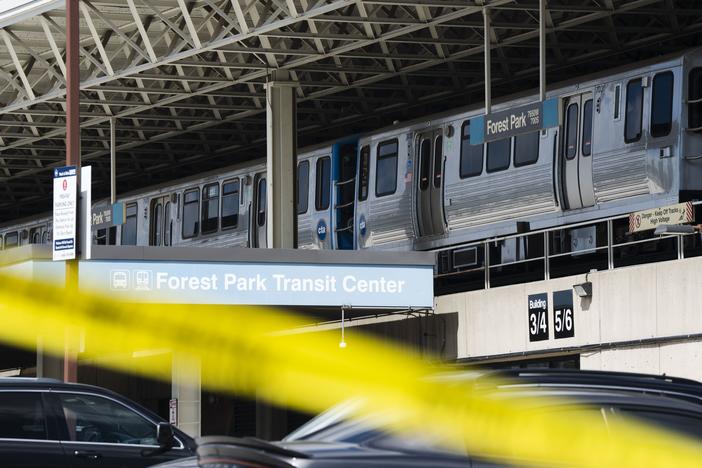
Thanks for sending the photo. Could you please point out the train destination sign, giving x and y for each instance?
(65, 210)
(355, 285)
(679, 213)
(504, 124)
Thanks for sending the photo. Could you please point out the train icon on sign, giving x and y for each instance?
(142, 280)
(119, 279)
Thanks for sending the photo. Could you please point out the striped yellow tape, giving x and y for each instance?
(251, 351)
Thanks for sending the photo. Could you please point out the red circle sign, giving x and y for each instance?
(65, 184)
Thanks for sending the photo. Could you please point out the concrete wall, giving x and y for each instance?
(645, 302)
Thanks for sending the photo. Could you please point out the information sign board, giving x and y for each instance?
(538, 317)
(504, 124)
(65, 209)
(563, 314)
(679, 213)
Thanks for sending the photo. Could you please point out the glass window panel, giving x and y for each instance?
(365, 173)
(471, 155)
(386, 168)
(191, 208)
(303, 186)
(571, 131)
(261, 202)
(210, 208)
(498, 155)
(91, 418)
(129, 228)
(230, 204)
(662, 104)
(438, 160)
(168, 225)
(526, 149)
(22, 416)
(634, 111)
(158, 223)
(323, 184)
(424, 163)
(587, 128)
(694, 109)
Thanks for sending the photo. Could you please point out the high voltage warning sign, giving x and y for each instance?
(680, 213)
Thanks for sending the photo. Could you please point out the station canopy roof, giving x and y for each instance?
(185, 79)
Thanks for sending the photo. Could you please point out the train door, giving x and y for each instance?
(344, 193)
(362, 188)
(321, 217)
(429, 154)
(257, 213)
(160, 222)
(576, 156)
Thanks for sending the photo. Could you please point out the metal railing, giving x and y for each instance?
(548, 253)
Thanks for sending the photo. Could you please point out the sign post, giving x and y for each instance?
(65, 208)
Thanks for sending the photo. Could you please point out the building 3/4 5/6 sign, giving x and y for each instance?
(538, 317)
(65, 209)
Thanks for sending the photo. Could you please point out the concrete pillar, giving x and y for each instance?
(186, 388)
(281, 162)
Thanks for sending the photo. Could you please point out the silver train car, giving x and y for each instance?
(628, 139)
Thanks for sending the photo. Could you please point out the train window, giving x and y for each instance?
(11, 240)
(101, 237)
(386, 168)
(168, 225)
(261, 202)
(191, 208)
(323, 184)
(526, 149)
(210, 208)
(424, 163)
(230, 204)
(45, 237)
(498, 155)
(303, 186)
(471, 155)
(694, 99)
(438, 160)
(364, 173)
(35, 235)
(571, 133)
(633, 114)
(662, 104)
(129, 228)
(617, 100)
(587, 128)
(157, 224)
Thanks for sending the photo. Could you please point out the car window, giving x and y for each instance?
(90, 418)
(22, 416)
(682, 423)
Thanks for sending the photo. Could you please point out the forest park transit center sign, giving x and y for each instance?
(355, 285)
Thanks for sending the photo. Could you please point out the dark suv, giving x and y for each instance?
(333, 440)
(48, 423)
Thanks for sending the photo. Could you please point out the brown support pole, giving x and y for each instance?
(70, 364)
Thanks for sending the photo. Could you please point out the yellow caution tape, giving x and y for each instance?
(249, 350)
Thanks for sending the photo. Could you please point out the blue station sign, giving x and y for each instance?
(508, 123)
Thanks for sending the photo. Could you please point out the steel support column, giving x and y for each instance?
(542, 50)
(488, 65)
(70, 364)
(281, 162)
